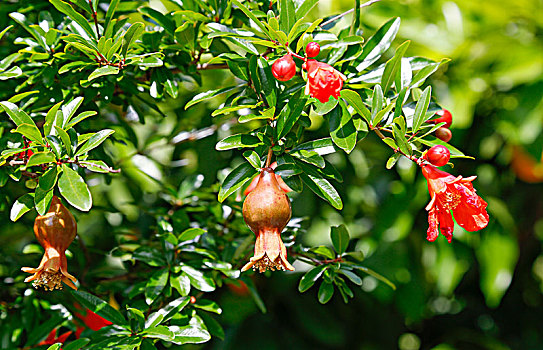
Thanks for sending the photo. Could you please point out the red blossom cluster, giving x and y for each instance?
(323, 80)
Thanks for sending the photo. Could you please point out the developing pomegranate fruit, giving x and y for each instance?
(267, 211)
(312, 49)
(438, 155)
(443, 134)
(55, 231)
(284, 68)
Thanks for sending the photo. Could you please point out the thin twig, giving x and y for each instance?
(95, 17)
(347, 12)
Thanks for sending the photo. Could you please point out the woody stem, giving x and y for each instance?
(268, 160)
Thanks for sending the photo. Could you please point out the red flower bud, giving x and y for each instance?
(312, 49)
(444, 117)
(284, 68)
(438, 155)
(323, 80)
(267, 211)
(55, 231)
(444, 134)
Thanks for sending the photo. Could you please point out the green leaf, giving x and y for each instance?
(190, 234)
(39, 158)
(42, 200)
(22, 96)
(287, 15)
(65, 139)
(352, 276)
(181, 283)
(251, 15)
(304, 8)
(31, 132)
(291, 113)
(324, 251)
(355, 101)
(378, 43)
(207, 95)
(267, 81)
(375, 274)
(68, 10)
(237, 178)
(238, 141)
(76, 344)
(376, 103)
(158, 332)
(326, 291)
(342, 129)
(392, 67)
(321, 146)
(421, 108)
(425, 72)
(198, 280)
(254, 293)
(167, 312)
(21, 206)
(155, 285)
(253, 158)
(340, 238)
(165, 22)
(81, 116)
(99, 306)
(109, 14)
(132, 34)
(55, 346)
(94, 141)
(309, 279)
(208, 305)
(18, 116)
(13, 72)
(5, 31)
(392, 160)
(320, 186)
(194, 333)
(74, 189)
(105, 70)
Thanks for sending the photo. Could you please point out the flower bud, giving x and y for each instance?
(323, 80)
(284, 68)
(267, 211)
(443, 134)
(444, 117)
(438, 155)
(312, 49)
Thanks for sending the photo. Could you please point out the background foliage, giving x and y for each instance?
(143, 243)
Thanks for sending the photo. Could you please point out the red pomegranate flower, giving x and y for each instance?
(323, 80)
(456, 194)
(55, 231)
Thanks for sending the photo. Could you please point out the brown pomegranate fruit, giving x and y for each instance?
(55, 231)
(267, 211)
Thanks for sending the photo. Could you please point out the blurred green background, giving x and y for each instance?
(483, 291)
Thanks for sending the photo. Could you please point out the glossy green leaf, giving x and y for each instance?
(198, 280)
(309, 279)
(68, 10)
(105, 70)
(392, 67)
(378, 43)
(238, 141)
(132, 34)
(99, 306)
(22, 205)
(74, 189)
(421, 108)
(326, 291)
(340, 238)
(342, 128)
(354, 100)
(155, 285)
(287, 15)
(237, 178)
(94, 141)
